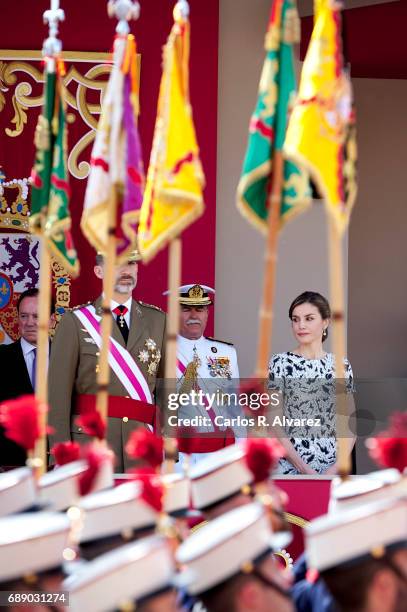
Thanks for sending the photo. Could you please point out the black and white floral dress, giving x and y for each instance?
(308, 388)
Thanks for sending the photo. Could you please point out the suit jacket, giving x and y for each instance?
(72, 372)
(15, 381)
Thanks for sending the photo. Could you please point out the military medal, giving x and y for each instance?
(219, 367)
(150, 355)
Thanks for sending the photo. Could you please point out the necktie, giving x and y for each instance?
(120, 311)
(34, 368)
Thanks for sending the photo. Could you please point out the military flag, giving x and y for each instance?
(116, 177)
(50, 216)
(268, 124)
(321, 131)
(173, 196)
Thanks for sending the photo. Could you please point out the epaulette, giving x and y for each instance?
(150, 306)
(79, 306)
(220, 341)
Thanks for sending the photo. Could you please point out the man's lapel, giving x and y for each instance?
(116, 333)
(138, 325)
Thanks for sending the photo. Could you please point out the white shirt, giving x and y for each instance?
(114, 305)
(28, 354)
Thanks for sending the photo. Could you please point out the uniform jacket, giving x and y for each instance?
(310, 596)
(15, 381)
(72, 371)
(218, 374)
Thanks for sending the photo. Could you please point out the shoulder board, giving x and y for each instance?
(150, 306)
(220, 341)
(78, 307)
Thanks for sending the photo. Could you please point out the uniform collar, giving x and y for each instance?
(187, 342)
(114, 304)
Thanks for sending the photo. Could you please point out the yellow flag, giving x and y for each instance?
(321, 131)
(173, 194)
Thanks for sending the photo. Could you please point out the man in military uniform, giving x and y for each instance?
(138, 335)
(209, 366)
(231, 563)
(360, 554)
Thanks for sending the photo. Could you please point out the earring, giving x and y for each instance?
(324, 334)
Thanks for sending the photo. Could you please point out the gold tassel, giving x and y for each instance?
(42, 134)
(190, 377)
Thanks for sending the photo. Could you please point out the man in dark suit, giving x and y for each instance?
(17, 367)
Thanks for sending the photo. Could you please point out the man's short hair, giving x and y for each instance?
(349, 585)
(224, 596)
(27, 294)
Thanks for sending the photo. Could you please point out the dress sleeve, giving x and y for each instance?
(350, 383)
(276, 373)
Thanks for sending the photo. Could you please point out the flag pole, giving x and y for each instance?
(38, 458)
(269, 277)
(102, 369)
(338, 337)
(123, 10)
(174, 282)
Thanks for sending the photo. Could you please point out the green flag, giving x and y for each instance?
(268, 125)
(50, 215)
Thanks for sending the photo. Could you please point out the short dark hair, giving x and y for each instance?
(349, 585)
(224, 596)
(317, 300)
(34, 292)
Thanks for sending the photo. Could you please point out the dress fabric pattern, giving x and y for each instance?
(308, 388)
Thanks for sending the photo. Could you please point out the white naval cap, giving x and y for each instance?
(59, 489)
(357, 490)
(357, 533)
(219, 477)
(228, 545)
(119, 510)
(194, 295)
(31, 543)
(122, 576)
(177, 494)
(18, 491)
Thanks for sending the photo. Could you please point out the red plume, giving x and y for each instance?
(94, 456)
(262, 455)
(21, 420)
(152, 487)
(389, 449)
(92, 424)
(66, 452)
(145, 445)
